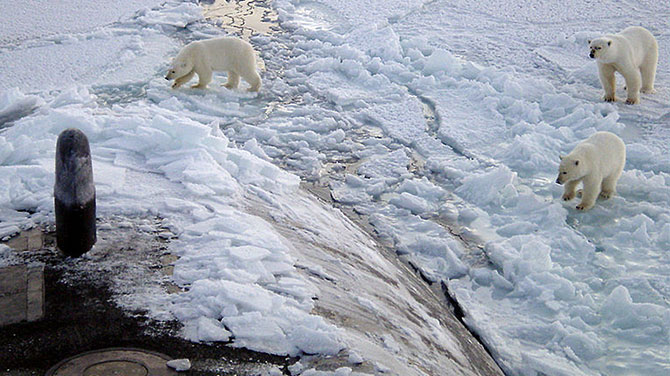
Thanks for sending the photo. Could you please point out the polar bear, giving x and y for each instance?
(202, 57)
(597, 162)
(634, 54)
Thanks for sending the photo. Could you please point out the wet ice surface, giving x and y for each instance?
(439, 123)
(245, 18)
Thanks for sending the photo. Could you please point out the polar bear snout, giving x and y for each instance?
(592, 55)
(558, 180)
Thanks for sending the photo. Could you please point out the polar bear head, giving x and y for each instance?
(571, 168)
(180, 67)
(601, 48)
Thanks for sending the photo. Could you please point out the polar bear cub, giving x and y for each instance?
(203, 57)
(597, 162)
(634, 54)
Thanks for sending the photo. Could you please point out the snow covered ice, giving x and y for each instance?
(439, 122)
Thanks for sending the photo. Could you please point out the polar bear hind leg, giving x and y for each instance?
(608, 187)
(254, 79)
(648, 72)
(233, 80)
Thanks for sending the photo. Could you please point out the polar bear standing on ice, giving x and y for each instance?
(597, 162)
(633, 53)
(232, 55)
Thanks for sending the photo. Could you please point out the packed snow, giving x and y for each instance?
(439, 122)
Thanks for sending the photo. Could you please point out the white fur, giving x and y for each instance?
(634, 54)
(232, 55)
(597, 162)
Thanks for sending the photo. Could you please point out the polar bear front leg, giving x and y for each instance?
(570, 190)
(607, 79)
(589, 193)
(204, 78)
(633, 84)
(233, 80)
(182, 80)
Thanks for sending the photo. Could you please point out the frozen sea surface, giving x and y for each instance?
(438, 123)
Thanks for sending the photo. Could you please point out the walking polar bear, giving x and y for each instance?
(597, 162)
(634, 54)
(203, 57)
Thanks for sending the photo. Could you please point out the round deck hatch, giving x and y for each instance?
(114, 362)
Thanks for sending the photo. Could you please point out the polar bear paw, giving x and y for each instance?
(609, 98)
(606, 194)
(632, 101)
(568, 196)
(584, 207)
(648, 91)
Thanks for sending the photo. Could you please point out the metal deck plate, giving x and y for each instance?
(115, 361)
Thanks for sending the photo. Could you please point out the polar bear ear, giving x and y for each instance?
(561, 157)
(577, 163)
(588, 41)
